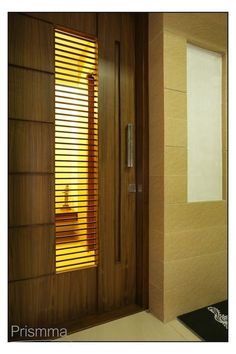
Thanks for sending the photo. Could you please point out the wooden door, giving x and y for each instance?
(38, 295)
(117, 205)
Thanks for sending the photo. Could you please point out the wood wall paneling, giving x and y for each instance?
(31, 147)
(85, 22)
(30, 42)
(31, 199)
(75, 295)
(31, 95)
(31, 302)
(31, 251)
(53, 300)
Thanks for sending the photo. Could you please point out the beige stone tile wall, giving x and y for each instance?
(156, 166)
(188, 241)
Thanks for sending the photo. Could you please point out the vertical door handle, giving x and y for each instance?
(130, 145)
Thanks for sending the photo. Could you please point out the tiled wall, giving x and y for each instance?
(188, 241)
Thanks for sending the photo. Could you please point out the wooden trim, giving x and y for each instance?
(142, 156)
(76, 33)
(32, 69)
(100, 318)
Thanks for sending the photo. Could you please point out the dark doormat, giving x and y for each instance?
(209, 323)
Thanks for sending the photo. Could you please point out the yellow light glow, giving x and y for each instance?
(76, 150)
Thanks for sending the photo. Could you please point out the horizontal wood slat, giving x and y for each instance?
(76, 135)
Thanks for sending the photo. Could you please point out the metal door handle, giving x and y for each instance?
(130, 145)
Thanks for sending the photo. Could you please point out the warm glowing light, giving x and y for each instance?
(76, 151)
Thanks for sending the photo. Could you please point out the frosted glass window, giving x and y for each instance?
(204, 99)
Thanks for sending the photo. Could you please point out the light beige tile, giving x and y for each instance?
(184, 331)
(156, 271)
(180, 217)
(208, 29)
(175, 161)
(156, 203)
(156, 245)
(156, 75)
(156, 107)
(142, 326)
(155, 20)
(176, 132)
(156, 191)
(196, 242)
(156, 152)
(175, 189)
(156, 137)
(175, 104)
(156, 113)
(174, 62)
(189, 298)
(156, 301)
(204, 271)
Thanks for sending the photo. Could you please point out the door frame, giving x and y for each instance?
(142, 158)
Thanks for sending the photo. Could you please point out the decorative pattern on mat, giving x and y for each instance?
(223, 319)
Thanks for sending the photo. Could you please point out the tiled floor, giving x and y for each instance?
(141, 326)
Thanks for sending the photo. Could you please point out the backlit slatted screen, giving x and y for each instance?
(76, 151)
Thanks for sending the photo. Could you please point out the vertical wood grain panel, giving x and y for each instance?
(106, 45)
(31, 199)
(75, 295)
(117, 280)
(128, 175)
(31, 251)
(30, 42)
(52, 300)
(77, 21)
(31, 302)
(117, 153)
(31, 95)
(31, 147)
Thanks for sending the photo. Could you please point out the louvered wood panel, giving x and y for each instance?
(76, 151)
